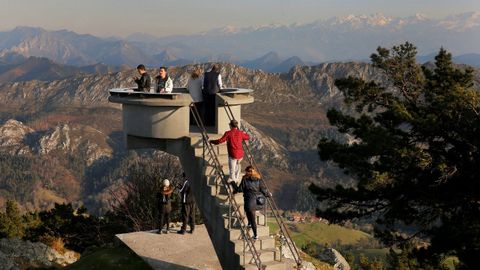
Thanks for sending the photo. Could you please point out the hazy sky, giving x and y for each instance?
(160, 18)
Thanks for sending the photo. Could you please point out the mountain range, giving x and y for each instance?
(274, 48)
(66, 129)
(67, 136)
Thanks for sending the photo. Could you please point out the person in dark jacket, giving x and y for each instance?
(212, 83)
(144, 81)
(188, 206)
(251, 186)
(164, 197)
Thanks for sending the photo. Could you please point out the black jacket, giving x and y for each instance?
(144, 82)
(186, 195)
(251, 187)
(164, 200)
(210, 83)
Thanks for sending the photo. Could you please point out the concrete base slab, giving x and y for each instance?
(174, 251)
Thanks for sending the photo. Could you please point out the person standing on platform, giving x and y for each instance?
(234, 138)
(188, 206)
(194, 87)
(212, 83)
(144, 81)
(164, 82)
(164, 197)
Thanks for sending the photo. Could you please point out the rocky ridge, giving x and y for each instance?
(12, 137)
(16, 254)
(73, 120)
(16, 138)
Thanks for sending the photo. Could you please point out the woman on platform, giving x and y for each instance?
(194, 87)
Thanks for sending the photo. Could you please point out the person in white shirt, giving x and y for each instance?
(194, 87)
(164, 84)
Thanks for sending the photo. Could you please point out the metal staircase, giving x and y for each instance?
(272, 205)
(240, 251)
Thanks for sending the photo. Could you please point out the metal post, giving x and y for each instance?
(229, 215)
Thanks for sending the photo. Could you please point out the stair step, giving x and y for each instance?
(266, 255)
(273, 265)
(222, 154)
(238, 197)
(224, 208)
(261, 231)
(219, 149)
(264, 242)
(217, 190)
(212, 179)
(196, 140)
(236, 224)
(210, 169)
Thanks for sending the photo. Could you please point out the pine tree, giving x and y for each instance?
(416, 156)
(11, 224)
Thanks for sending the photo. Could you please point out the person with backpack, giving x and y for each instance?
(254, 193)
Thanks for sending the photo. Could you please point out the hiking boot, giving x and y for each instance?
(191, 231)
(181, 232)
(255, 237)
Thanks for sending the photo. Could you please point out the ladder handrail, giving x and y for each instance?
(273, 206)
(231, 199)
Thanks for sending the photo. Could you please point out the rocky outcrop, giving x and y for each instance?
(84, 140)
(287, 254)
(266, 149)
(333, 257)
(18, 254)
(12, 137)
(18, 139)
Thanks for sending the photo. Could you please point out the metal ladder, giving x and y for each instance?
(249, 243)
(284, 233)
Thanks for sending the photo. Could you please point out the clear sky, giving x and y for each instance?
(160, 18)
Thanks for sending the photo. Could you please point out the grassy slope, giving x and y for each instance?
(321, 233)
(327, 234)
(111, 258)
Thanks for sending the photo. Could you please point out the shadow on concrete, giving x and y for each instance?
(158, 264)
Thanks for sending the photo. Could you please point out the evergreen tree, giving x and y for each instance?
(416, 156)
(366, 264)
(11, 224)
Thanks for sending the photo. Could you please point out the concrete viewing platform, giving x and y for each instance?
(162, 121)
(174, 251)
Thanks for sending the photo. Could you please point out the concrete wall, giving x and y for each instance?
(156, 122)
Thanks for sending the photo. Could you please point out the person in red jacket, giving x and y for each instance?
(234, 138)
